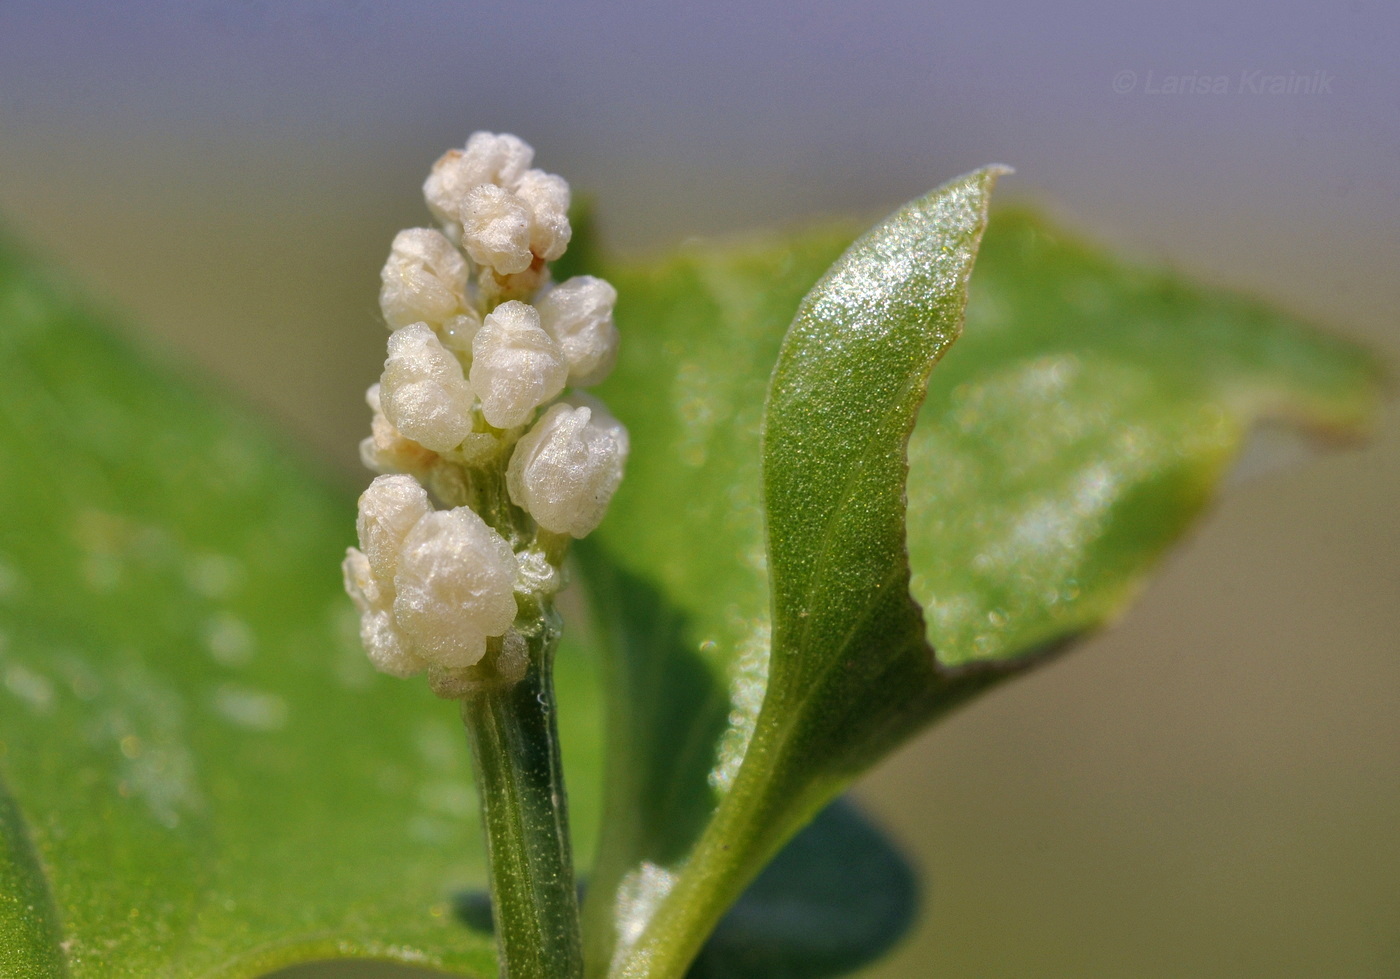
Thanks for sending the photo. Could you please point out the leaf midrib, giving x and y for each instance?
(848, 484)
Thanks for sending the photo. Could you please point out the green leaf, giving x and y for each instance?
(1081, 425)
(201, 774)
(835, 898)
(675, 573)
(1074, 366)
(851, 673)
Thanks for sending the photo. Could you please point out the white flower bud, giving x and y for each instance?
(386, 450)
(455, 587)
(498, 158)
(389, 649)
(496, 229)
(516, 365)
(372, 399)
(486, 159)
(578, 314)
(389, 509)
(423, 391)
(565, 470)
(423, 281)
(359, 581)
(547, 197)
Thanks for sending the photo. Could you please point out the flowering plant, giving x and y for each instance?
(817, 550)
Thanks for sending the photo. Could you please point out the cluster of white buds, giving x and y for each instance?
(471, 415)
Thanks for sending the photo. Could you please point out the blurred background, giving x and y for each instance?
(1211, 789)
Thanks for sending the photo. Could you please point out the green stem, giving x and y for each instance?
(520, 780)
(759, 814)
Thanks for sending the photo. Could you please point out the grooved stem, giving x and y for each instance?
(515, 747)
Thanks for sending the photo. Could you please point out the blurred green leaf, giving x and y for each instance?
(1080, 426)
(1076, 430)
(205, 777)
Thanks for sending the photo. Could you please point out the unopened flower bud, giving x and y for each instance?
(496, 229)
(455, 587)
(423, 281)
(516, 365)
(565, 470)
(423, 392)
(389, 509)
(386, 450)
(578, 314)
(547, 197)
(440, 590)
(495, 158)
(486, 159)
(388, 649)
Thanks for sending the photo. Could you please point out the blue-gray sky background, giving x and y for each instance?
(1212, 789)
